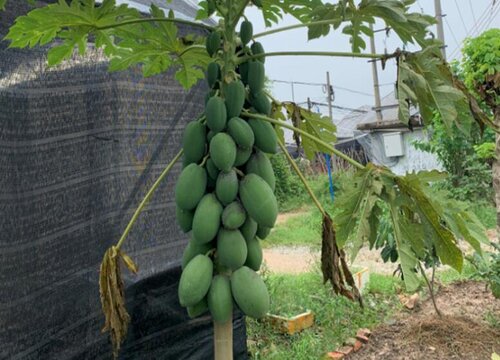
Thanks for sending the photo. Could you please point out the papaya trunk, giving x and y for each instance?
(496, 170)
(223, 340)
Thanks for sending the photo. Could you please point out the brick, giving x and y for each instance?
(335, 355)
(346, 350)
(350, 341)
(364, 332)
(357, 346)
(362, 338)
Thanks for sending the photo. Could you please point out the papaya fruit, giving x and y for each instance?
(246, 32)
(212, 170)
(250, 292)
(209, 94)
(258, 49)
(194, 141)
(220, 299)
(249, 229)
(206, 220)
(241, 132)
(263, 232)
(213, 42)
(265, 136)
(243, 71)
(226, 187)
(223, 151)
(256, 76)
(233, 216)
(260, 164)
(210, 135)
(242, 156)
(261, 103)
(192, 249)
(195, 280)
(197, 309)
(190, 187)
(234, 96)
(231, 249)
(184, 219)
(216, 114)
(213, 74)
(258, 200)
(254, 254)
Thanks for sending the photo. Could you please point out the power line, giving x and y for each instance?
(452, 32)
(461, 17)
(321, 84)
(472, 11)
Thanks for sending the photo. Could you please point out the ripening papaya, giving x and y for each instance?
(249, 229)
(206, 220)
(246, 32)
(213, 74)
(190, 187)
(192, 249)
(198, 309)
(254, 256)
(258, 49)
(194, 141)
(226, 187)
(250, 292)
(184, 219)
(260, 164)
(261, 103)
(242, 156)
(258, 200)
(195, 280)
(256, 76)
(223, 151)
(265, 136)
(220, 299)
(231, 249)
(234, 95)
(216, 114)
(241, 132)
(213, 42)
(263, 232)
(233, 216)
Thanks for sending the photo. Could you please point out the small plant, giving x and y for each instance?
(488, 268)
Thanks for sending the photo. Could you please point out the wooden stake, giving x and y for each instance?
(223, 340)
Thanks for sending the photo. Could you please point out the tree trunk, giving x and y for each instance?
(496, 170)
(223, 340)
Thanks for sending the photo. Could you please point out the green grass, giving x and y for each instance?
(450, 275)
(336, 318)
(486, 214)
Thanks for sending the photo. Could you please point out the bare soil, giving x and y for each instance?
(462, 332)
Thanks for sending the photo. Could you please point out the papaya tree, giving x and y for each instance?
(224, 194)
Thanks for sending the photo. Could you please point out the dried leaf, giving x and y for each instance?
(129, 262)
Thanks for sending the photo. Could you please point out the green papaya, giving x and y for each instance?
(249, 229)
(242, 156)
(234, 94)
(195, 280)
(220, 299)
(265, 136)
(256, 76)
(241, 132)
(210, 135)
(243, 70)
(184, 219)
(213, 74)
(233, 216)
(206, 220)
(258, 200)
(250, 292)
(246, 32)
(198, 309)
(194, 141)
(254, 256)
(190, 187)
(209, 95)
(263, 232)
(223, 151)
(258, 49)
(192, 249)
(226, 187)
(212, 170)
(213, 42)
(261, 103)
(260, 164)
(231, 248)
(216, 114)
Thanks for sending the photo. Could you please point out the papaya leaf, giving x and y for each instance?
(273, 10)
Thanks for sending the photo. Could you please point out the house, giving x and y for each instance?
(388, 142)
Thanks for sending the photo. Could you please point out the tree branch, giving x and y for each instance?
(318, 53)
(145, 20)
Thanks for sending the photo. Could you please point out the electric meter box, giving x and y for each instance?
(393, 144)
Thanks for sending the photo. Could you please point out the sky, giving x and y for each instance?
(464, 18)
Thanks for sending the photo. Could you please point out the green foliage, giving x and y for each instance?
(488, 268)
(485, 150)
(288, 185)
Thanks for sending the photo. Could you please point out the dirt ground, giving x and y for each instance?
(462, 332)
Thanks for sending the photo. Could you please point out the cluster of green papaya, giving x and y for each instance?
(225, 193)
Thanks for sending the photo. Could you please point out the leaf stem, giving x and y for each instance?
(146, 199)
(302, 178)
(431, 292)
(296, 26)
(146, 20)
(315, 53)
(306, 134)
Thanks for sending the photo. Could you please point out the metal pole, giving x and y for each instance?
(376, 89)
(329, 95)
(439, 25)
(309, 105)
(293, 93)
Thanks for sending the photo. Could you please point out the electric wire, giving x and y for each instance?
(321, 84)
(461, 17)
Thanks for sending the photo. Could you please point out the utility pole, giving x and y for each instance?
(439, 19)
(376, 88)
(329, 95)
(309, 105)
(293, 93)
